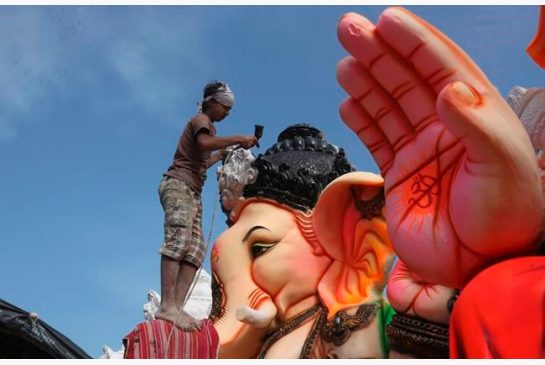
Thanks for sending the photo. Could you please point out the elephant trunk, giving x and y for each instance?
(242, 314)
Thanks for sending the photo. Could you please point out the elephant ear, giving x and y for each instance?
(349, 224)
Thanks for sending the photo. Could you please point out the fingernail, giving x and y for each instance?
(355, 29)
(465, 93)
(356, 24)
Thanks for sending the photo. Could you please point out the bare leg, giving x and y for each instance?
(176, 279)
(186, 275)
(170, 269)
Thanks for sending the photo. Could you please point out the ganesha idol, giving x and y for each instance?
(300, 271)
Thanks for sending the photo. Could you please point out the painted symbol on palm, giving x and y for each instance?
(424, 187)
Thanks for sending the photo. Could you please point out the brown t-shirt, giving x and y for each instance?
(189, 163)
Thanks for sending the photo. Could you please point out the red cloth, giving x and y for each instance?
(501, 312)
(149, 341)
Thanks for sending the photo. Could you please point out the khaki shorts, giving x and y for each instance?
(183, 222)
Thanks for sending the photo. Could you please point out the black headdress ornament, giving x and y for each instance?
(296, 169)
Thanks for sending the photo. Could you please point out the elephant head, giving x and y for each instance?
(305, 248)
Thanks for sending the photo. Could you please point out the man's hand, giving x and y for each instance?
(461, 179)
(224, 152)
(247, 141)
(207, 142)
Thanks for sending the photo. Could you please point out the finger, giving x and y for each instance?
(380, 106)
(436, 58)
(415, 98)
(462, 109)
(359, 121)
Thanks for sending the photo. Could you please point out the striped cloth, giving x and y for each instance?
(149, 341)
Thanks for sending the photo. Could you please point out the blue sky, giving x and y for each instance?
(91, 106)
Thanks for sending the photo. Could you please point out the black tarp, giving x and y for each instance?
(23, 337)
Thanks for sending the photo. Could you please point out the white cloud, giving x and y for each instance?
(20, 64)
(154, 59)
(28, 65)
(45, 51)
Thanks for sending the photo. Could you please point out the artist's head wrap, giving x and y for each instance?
(222, 94)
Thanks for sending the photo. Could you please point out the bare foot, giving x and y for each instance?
(183, 320)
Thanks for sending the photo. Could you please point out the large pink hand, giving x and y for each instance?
(461, 179)
(409, 294)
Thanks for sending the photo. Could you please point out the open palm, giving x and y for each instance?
(460, 173)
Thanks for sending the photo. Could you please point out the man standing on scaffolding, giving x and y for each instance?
(183, 249)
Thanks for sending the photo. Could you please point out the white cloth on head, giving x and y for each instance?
(224, 96)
